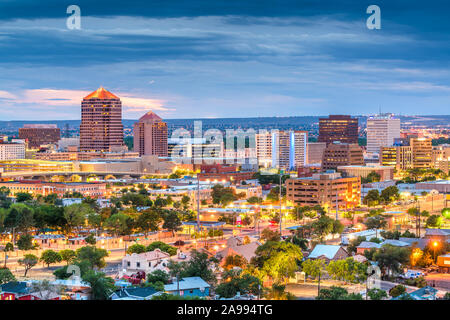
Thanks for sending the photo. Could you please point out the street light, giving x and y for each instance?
(435, 244)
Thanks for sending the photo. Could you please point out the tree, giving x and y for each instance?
(8, 248)
(44, 289)
(197, 266)
(90, 239)
(158, 276)
(101, 286)
(25, 242)
(269, 235)
(6, 276)
(314, 268)
(390, 258)
(28, 261)
(238, 281)
(49, 257)
(337, 293)
(373, 176)
(136, 248)
(322, 227)
(372, 198)
(120, 224)
(76, 215)
(347, 270)
(163, 247)
(376, 294)
(95, 220)
(377, 222)
(148, 220)
(434, 221)
(172, 222)
(23, 196)
(390, 194)
(222, 195)
(397, 290)
(235, 260)
(278, 260)
(67, 255)
(278, 292)
(95, 257)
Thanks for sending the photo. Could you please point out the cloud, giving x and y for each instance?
(69, 98)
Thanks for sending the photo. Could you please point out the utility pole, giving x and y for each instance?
(281, 215)
(337, 205)
(198, 203)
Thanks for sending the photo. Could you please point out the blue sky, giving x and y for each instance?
(235, 58)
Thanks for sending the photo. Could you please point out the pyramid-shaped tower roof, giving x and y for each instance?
(149, 116)
(101, 93)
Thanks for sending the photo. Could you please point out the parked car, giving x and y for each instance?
(412, 274)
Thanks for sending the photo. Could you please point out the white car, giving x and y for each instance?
(412, 274)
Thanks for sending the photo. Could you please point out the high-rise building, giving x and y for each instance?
(289, 149)
(421, 152)
(263, 141)
(325, 189)
(382, 130)
(101, 126)
(39, 134)
(150, 135)
(342, 154)
(410, 154)
(340, 128)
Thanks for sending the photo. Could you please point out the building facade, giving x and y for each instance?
(150, 135)
(325, 189)
(382, 130)
(289, 149)
(340, 128)
(385, 172)
(342, 154)
(101, 126)
(39, 134)
(11, 150)
(315, 152)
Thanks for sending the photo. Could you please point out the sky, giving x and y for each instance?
(216, 59)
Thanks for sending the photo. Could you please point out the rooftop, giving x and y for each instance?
(101, 93)
(329, 251)
(186, 284)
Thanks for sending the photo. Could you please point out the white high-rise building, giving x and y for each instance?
(264, 148)
(381, 132)
(289, 149)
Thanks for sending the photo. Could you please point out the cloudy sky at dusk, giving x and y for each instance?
(233, 58)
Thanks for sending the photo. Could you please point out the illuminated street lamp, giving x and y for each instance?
(435, 245)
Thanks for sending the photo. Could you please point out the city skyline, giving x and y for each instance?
(277, 59)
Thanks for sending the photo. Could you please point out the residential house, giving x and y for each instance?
(425, 293)
(190, 286)
(21, 290)
(247, 251)
(328, 252)
(135, 293)
(367, 245)
(147, 262)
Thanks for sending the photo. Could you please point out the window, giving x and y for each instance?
(138, 264)
(128, 263)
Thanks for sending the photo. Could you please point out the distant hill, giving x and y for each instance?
(309, 123)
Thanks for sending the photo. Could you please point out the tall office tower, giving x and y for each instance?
(39, 134)
(289, 149)
(315, 152)
(421, 152)
(338, 128)
(382, 130)
(263, 141)
(101, 126)
(150, 135)
(342, 154)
